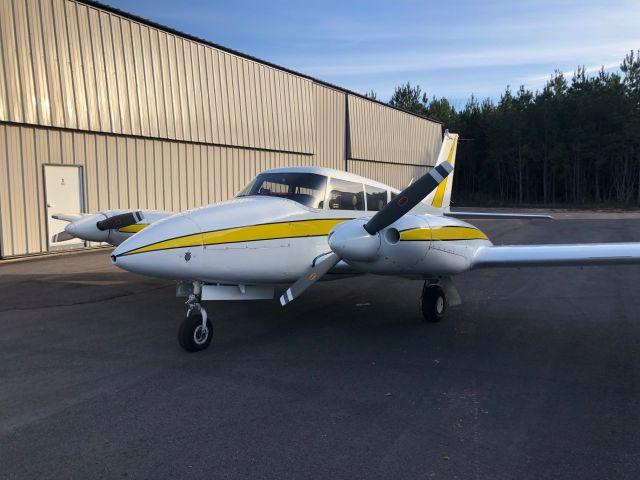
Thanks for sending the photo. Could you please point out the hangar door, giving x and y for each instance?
(63, 193)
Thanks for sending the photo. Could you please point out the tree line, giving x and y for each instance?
(576, 142)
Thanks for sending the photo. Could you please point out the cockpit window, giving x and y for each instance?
(305, 188)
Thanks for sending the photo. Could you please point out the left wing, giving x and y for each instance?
(557, 255)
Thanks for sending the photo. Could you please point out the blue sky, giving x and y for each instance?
(451, 49)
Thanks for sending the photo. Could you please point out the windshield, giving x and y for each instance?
(305, 188)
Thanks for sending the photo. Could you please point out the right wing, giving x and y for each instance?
(493, 215)
(583, 254)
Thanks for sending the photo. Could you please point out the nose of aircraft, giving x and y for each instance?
(164, 249)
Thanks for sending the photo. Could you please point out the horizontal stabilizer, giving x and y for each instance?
(557, 255)
(498, 216)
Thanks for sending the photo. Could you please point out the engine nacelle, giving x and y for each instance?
(391, 250)
(413, 245)
(86, 228)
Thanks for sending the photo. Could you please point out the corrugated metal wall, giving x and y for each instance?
(161, 121)
(118, 172)
(331, 129)
(389, 135)
(397, 176)
(73, 66)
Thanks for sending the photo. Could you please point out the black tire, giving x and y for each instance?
(434, 303)
(190, 334)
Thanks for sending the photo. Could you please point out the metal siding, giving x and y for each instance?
(152, 102)
(395, 175)
(15, 185)
(50, 52)
(130, 77)
(110, 73)
(38, 62)
(6, 240)
(381, 133)
(4, 100)
(167, 90)
(205, 91)
(101, 117)
(141, 83)
(23, 51)
(211, 96)
(77, 74)
(70, 65)
(175, 89)
(329, 127)
(156, 69)
(88, 68)
(120, 74)
(41, 146)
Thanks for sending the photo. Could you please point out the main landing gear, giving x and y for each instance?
(195, 330)
(433, 301)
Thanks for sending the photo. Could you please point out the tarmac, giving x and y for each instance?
(536, 375)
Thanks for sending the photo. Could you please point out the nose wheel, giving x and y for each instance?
(195, 331)
(434, 302)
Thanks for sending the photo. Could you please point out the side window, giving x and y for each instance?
(376, 198)
(345, 195)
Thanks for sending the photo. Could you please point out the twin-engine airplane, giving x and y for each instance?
(304, 224)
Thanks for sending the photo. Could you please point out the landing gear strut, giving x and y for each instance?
(195, 330)
(434, 302)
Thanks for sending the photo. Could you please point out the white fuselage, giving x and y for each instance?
(268, 240)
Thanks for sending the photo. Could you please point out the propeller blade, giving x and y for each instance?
(61, 237)
(66, 217)
(314, 274)
(119, 221)
(408, 198)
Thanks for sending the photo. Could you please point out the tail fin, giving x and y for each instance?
(441, 197)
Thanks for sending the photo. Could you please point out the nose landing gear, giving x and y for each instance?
(195, 330)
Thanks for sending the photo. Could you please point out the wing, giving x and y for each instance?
(557, 255)
(492, 215)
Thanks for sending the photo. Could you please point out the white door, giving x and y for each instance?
(63, 193)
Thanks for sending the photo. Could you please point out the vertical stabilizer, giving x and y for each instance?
(441, 197)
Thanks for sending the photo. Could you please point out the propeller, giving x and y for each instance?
(119, 221)
(390, 213)
(312, 275)
(62, 237)
(408, 198)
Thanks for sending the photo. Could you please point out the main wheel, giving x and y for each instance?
(192, 336)
(434, 303)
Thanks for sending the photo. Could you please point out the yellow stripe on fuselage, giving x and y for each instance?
(250, 233)
(439, 196)
(416, 234)
(133, 228)
(442, 233)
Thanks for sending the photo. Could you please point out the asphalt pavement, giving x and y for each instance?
(536, 375)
